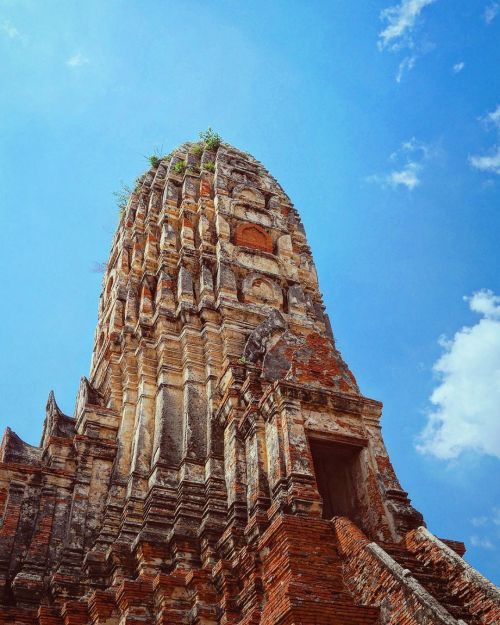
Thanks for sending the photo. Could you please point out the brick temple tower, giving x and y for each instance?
(221, 466)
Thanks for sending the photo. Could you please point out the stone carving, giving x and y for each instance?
(256, 345)
(260, 290)
(56, 423)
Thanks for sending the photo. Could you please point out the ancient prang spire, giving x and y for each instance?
(221, 466)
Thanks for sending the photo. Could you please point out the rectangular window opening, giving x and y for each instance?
(336, 468)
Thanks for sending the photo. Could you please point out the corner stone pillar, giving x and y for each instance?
(290, 465)
(144, 422)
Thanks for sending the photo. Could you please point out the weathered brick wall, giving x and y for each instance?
(480, 596)
(302, 576)
(375, 578)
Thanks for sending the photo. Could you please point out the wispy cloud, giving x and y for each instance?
(77, 60)
(458, 67)
(406, 177)
(493, 118)
(491, 11)
(406, 65)
(408, 164)
(481, 542)
(401, 19)
(466, 402)
(9, 30)
(492, 519)
(487, 531)
(400, 22)
(489, 162)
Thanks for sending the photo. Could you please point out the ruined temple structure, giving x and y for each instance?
(221, 466)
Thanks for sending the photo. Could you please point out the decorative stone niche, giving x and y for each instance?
(259, 290)
(248, 194)
(253, 236)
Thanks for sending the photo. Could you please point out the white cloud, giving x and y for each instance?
(466, 402)
(485, 303)
(479, 521)
(458, 67)
(406, 177)
(483, 543)
(10, 30)
(491, 11)
(407, 64)
(77, 60)
(397, 35)
(489, 162)
(409, 159)
(493, 117)
(401, 21)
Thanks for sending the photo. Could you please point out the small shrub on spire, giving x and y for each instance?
(211, 139)
(154, 160)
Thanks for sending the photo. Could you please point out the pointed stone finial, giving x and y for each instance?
(86, 394)
(14, 450)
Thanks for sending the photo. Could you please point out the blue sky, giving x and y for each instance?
(381, 121)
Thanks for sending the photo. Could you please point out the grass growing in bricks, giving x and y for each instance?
(180, 167)
(198, 148)
(121, 198)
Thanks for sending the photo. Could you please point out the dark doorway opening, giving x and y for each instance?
(336, 466)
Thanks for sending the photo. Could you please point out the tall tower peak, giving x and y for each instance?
(221, 466)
